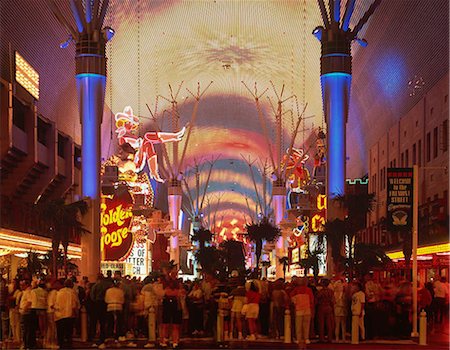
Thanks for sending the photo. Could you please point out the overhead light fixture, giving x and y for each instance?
(66, 43)
(362, 42)
(108, 33)
(317, 32)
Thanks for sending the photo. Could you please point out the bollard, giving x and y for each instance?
(287, 326)
(219, 335)
(84, 325)
(355, 329)
(151, 325)
(423, 328)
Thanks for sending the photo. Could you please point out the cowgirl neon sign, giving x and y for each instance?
(127, 124)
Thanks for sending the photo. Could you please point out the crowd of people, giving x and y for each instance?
(47, 314)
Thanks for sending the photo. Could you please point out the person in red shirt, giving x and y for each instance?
(303, 299)
(252, 312)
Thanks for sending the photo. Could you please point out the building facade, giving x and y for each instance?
(420, 137)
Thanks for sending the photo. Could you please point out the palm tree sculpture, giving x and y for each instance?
(368, 256)
(62, 223)
(335, 232)
(258, 232)
(234, 255)
(202, 235)
(358, 205)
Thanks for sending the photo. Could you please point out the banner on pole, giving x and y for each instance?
(399, 198)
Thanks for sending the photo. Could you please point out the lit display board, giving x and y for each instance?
(27, 76)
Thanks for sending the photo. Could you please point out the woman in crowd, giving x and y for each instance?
(196, 304)
(280, 301)
(238, 300)
(184, 309)
(252, 310)
(172, 313)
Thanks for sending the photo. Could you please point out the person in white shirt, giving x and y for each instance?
(14, 316)
(39, 306)
(114, 299)
(358, 301)
(340, 309)
(27, 319)
(66, 307)
(50, 337)
(153, 297)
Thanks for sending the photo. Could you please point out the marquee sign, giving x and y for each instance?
(116, 235)
(27, 76)
(138, 258)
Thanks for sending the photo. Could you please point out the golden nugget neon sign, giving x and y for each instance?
(318, 220)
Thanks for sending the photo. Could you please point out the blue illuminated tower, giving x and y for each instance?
(336, 76)
(90, 72)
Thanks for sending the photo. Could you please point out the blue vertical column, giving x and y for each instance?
(91, 96)
(336, 93)
(90, 64)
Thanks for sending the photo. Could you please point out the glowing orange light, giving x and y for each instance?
(438, 248)
(27, 76)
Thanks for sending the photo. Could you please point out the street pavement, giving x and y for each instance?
(437, 340)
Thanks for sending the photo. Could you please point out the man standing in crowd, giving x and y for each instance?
(27, 319)
(115, 298)
(98, 292)
(373, 293)
(303, 300)
(340, 310)
(39, 307)
(66, 310)
(153, 297)
(325, 311)
(3, 309)
(440, 296)
(358, 301)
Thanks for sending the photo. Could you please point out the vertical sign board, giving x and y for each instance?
(139, 260)
(399, 198)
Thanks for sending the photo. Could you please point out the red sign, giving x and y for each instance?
(116, 216)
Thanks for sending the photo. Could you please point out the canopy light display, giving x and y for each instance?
(26, 76)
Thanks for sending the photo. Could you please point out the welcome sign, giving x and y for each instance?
(399, 198)
(116, 235)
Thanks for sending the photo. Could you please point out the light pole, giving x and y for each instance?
(336, 38)
(90, 72)
(336, 76)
